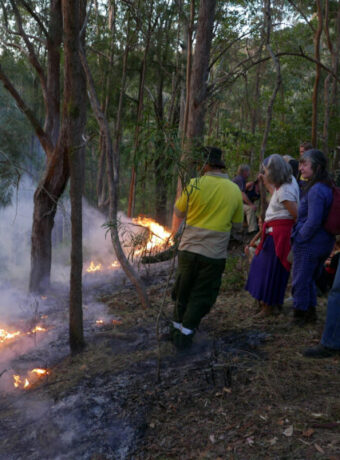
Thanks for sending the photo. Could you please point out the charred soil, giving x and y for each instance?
(244, 390)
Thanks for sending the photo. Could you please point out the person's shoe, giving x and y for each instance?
(311, 315)
(182, 341)
(320, 351)
(303, 317)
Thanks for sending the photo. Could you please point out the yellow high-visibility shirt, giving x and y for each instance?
(211, 202)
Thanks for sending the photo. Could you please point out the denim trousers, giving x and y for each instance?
(331, 333)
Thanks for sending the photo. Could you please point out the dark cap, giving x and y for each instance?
(213, 157)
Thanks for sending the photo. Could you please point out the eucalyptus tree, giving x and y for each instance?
(35, 31)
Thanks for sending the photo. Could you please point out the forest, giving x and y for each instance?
(104, 105)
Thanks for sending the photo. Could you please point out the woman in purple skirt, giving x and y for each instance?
(269, 270)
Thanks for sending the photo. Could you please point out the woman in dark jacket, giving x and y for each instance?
(312, 244)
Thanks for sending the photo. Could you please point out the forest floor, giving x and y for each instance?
(244, 390)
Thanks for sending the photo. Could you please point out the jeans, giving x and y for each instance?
(331, 333)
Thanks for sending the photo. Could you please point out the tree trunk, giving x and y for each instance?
(113, 184)
(74, 119)
(317, 74)
(56, 174)
(132, 189)
(276, 61)
(46, 197)
(198, 94)
(330, 84)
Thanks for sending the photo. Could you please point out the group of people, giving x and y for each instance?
(292, 234)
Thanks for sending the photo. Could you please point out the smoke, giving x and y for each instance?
(15, 235)
(20, 311)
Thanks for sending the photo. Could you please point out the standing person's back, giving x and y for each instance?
(210, 205)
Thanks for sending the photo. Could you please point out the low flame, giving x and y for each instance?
(99, 321)
(159, 237)
(39, 371)
(94, 268)
(114, 264)
(38, 329)
(6, 335)
(23, 382)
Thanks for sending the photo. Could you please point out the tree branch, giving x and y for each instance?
(302, 14)
(42, 136)
(32, 55)
(234, 75)
(36, 17)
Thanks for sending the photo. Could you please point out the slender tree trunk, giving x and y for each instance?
(132, 189)
(317, 38)
(74, 119)
(102, 192)
(198, 93)
(113, 184)
(268, 23)
(276, 61)
(330, 84)
(188, 71)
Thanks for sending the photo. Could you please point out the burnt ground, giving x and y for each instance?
(244, 391)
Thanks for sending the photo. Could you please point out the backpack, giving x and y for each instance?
(332, 223)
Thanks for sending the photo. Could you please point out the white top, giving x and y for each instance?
(286, 192)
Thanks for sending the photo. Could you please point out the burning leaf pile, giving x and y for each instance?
(154, 238)
(33, 376)
(158, 237)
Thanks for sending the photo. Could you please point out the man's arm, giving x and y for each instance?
(247, 201)
(177, 219)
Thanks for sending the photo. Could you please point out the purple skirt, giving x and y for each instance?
(268, 278)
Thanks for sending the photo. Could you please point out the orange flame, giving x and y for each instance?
(115, 264)
(94, 268)
(23, 382)
(39, 371)
(5, 335)
(159, 237)
(38, 329)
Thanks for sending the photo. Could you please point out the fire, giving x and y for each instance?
(38, 329)
(39, 371)
(159, 237)
(5, 335)
(24, 382)
(94, 268)
(99, 321)
(114, 264)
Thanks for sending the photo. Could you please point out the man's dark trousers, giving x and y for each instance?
(196, 288)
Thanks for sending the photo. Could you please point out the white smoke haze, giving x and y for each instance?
(15, 235)
(20, 311)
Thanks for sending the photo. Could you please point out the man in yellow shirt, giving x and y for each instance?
(210, 205)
